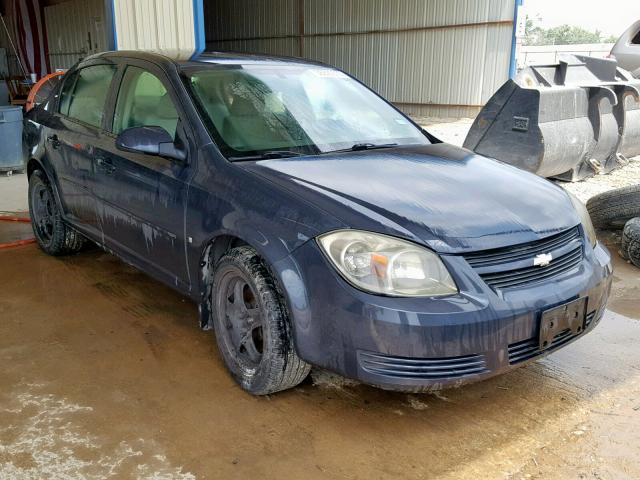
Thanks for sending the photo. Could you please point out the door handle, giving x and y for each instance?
(105, 164)
(54, 141)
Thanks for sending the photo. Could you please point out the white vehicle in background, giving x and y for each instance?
(627, 50)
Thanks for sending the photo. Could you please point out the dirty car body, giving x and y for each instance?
(492, 267)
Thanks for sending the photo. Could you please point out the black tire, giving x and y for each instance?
(631, 232)
(611, 210)
(53, 235)
(633, 252)
(252, 326)
(631, 241)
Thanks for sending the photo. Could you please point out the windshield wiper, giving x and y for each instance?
(372, 146)
(270, 155)
(364, 146)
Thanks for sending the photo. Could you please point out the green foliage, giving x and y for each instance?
(561, 35)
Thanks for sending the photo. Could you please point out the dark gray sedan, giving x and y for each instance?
(313, 222)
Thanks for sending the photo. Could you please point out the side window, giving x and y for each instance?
(84, 94)
(636, 39)
(65, 95)
(143, 101)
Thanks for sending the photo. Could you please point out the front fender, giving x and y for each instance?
(226, 201)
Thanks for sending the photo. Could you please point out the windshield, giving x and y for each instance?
(256, 109)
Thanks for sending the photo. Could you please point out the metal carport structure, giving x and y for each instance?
(438, 58)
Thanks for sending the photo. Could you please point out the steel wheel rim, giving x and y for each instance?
(240, 317)
(43, 213)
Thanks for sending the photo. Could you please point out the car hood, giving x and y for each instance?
(441, 195)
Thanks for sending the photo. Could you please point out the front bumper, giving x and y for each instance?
(417, 344)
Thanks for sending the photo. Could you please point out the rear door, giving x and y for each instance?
(142, 197)
(74, 135)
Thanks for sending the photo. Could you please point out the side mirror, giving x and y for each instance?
(150, 140)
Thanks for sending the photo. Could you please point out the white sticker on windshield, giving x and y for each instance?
(328, 73)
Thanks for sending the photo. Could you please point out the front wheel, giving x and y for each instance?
(252, 327)
(53, 235)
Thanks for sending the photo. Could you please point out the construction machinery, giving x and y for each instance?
(568, 121)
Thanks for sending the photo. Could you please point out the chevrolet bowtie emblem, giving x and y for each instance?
(542, 260)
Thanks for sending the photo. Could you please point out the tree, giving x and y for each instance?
(561, 35)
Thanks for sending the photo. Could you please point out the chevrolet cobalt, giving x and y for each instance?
(313, 222)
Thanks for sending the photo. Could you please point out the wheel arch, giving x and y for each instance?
(212, 251)
(33, 165)
(41, 164)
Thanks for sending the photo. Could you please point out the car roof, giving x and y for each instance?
(218, 58)
(208, 58)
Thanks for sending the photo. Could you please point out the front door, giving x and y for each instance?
(141, 198)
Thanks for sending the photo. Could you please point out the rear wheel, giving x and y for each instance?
(52, 234)
(252, 326)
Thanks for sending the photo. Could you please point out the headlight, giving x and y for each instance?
(585, 218)
(386, 265)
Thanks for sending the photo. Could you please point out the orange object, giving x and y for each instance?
(15, 219)
(44, 86)
(17, 243)
(379, 264)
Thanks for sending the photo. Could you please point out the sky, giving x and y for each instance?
(611, 17)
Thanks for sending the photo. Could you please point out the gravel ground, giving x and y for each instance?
(454, 131)
(622, 177)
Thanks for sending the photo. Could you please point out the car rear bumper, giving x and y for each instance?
(416, 344)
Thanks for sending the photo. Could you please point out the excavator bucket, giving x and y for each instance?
(567, 121)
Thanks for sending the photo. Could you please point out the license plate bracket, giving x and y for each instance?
(571, 316)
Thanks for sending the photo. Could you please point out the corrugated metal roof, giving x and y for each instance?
(289, 47)
(242, 19)
(74, 30)
(162, 26)
(334, 16)
(427, 55)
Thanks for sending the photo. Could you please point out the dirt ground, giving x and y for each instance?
(13, 193)
(105, 374)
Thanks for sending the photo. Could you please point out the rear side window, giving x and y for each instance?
(65, 95)
(143, 101)
(84, 94)
(636, 39)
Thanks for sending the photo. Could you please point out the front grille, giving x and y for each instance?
(513, 266)
(422, 368)
(530, 348)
